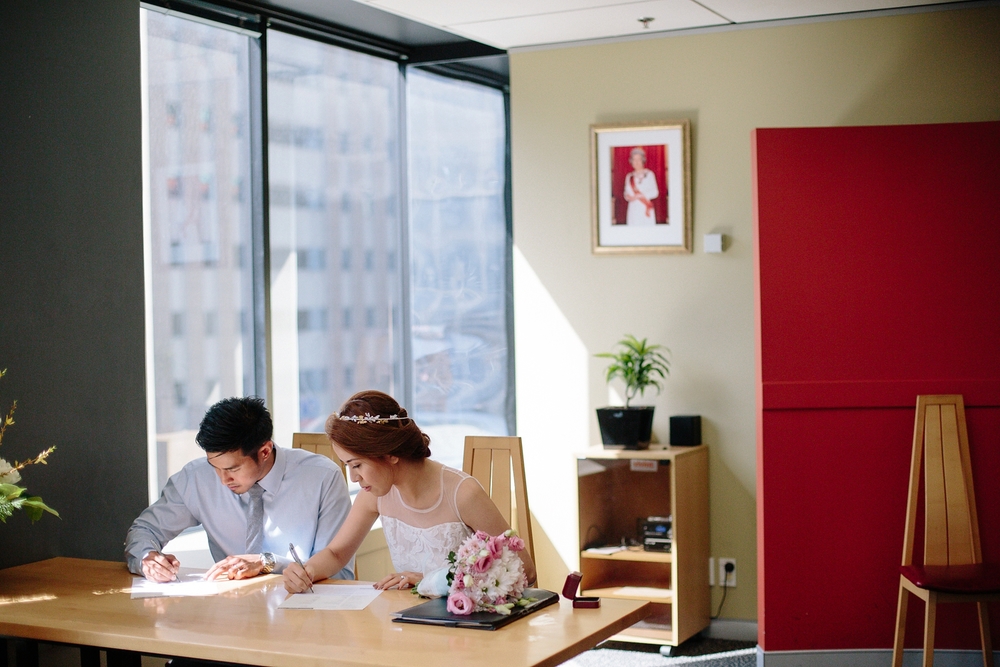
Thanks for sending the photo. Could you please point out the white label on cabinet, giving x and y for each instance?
(643, 465)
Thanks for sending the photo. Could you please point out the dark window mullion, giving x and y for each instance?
(511, 403)
(405, 345)
(260, 250)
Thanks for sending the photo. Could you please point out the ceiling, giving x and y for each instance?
(507, 24)
(477, 33)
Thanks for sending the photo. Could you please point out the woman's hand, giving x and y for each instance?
(296, 578)
(400, 580)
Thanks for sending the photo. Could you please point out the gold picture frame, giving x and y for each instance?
(640, 187)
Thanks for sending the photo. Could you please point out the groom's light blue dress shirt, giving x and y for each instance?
(305, 502)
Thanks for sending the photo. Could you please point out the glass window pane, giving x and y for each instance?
(458, 249)
(198, 217)
(333, 158)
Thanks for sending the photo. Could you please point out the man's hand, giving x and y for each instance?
(160, 567)
(236, 567)
(400, 580)
(297, 579)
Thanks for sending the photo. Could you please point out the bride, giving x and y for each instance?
(427, 509)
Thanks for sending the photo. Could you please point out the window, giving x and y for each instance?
(458, 269)
(382, 273)
(196, 112)
(319, 91)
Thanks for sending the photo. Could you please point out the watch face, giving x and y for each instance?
(267, 560)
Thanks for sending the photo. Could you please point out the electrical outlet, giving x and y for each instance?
(727, 578)
(711, 571)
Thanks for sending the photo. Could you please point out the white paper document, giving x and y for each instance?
(347, 597)
(606, 551)
(190, 583)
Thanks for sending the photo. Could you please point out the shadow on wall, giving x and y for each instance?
(942, 87)
(552, 569)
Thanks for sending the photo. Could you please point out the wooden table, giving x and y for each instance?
(87, 603)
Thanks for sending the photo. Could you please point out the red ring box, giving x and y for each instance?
(569, 592)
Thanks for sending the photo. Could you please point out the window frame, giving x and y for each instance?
(255, 21)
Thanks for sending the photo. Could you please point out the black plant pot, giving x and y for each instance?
(628, 427)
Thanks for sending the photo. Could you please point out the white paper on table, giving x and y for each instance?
(347, 597)
(190, 583)
(607, 551)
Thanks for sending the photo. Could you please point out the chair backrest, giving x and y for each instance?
(318, 443)
(495, 461)
(951, 526)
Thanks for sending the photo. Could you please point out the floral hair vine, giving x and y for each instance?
(368, 418)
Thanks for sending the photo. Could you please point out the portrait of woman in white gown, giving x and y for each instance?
(641, 187)
(640, 191)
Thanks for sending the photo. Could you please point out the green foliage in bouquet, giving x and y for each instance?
(12, 496)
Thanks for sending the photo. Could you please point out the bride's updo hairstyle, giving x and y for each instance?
(372, 424)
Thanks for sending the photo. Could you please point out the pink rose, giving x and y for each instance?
(460, 603)
(480, 535)
(495, 545)
(483, 564)
(515, 543)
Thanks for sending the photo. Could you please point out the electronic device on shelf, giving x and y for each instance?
(656, 526)
(656, 533)
(656, 544)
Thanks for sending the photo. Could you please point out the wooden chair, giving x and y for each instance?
(318, 443)
(495, 462)
(952, 569)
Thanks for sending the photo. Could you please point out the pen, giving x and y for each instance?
(291, 547)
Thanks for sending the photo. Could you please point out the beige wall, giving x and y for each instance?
(569, 304)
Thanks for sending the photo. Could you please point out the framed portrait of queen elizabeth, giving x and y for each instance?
(641, 187)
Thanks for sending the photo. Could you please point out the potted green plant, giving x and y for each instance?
(640, 365)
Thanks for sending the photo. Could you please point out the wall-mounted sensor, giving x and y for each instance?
(714, 242)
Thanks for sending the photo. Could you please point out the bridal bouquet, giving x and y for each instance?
(486, 574)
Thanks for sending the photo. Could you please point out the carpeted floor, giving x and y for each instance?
(696, 652)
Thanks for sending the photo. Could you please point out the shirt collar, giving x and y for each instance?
(271, 482)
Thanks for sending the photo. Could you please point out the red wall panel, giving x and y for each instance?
(877, 280)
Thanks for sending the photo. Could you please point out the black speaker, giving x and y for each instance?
(685, 431)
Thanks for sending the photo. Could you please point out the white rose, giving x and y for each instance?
(434, 584)
(7, 473)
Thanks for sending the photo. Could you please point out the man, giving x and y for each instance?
(252, 498)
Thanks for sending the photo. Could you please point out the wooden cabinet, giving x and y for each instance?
(617, 490)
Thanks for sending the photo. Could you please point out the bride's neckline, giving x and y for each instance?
(436, 503)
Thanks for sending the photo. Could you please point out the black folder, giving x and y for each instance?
(435, 612)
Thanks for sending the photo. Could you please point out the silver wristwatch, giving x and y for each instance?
(268, 562)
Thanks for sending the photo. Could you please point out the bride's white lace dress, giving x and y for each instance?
(420, 539)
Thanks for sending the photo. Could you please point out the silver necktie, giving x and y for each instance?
(255, 520)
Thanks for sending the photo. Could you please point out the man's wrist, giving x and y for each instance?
(267, 562)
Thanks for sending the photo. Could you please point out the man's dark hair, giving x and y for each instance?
(233, 424)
